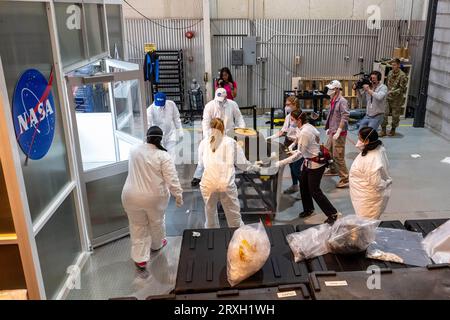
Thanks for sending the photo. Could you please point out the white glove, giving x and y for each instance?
(291, 147)
(277, 164)
(180, 134)
(254, 168)
(337, 134)
(179, 201)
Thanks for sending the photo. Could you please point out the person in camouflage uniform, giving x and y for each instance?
(397, 85)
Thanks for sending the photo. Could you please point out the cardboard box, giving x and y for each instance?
(397, 53)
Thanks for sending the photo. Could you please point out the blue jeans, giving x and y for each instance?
(295, 171)
(373, 122)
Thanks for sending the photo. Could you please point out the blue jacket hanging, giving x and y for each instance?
(151, 67)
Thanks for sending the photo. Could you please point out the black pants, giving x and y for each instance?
(310, 189)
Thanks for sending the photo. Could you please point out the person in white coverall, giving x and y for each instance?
(224, 109)
(370, 183)
(164, 114)
(151, 179)
(219, 154)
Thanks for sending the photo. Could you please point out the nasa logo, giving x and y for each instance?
(33, 111)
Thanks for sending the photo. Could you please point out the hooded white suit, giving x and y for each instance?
(152, 177)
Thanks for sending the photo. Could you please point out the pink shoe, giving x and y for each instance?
(141, 265)
(164, 243)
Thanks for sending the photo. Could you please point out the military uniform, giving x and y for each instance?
(397, 85)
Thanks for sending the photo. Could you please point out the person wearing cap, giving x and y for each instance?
(151, 179)
(224, 109)
(336, 128)
(164, 114)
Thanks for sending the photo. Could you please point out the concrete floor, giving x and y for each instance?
(420, 191)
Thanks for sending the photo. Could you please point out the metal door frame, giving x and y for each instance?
(111, 169)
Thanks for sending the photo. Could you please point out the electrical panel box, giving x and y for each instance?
(237, 57)
(249, 47)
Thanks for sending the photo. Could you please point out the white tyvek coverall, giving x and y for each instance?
(231, 116)
(218, 181)
(229, 113)
(168, 119)
(145, 196)
(370, 183)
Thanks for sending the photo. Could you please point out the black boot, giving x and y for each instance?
(195, 182)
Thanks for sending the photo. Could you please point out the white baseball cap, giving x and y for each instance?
(221, 94)
(334, 85)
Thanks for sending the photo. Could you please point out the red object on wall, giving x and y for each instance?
(189, 34)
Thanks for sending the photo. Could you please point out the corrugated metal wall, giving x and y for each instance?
(438, 103)
(321, 44)
(170, 37)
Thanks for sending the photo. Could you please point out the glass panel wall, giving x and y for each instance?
(76, 43)
(96, 27)
(69, 21)
(58, 246)
(25, 44)
(105, 205)
(115, 33)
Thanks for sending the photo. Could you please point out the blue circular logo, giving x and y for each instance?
(33, 111)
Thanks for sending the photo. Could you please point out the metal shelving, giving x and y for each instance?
(171, 76)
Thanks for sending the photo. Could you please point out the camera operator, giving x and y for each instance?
(376, 94)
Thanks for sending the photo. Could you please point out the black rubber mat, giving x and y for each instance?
(424, 226)
(399, 284)
(203, 262)
(287, 292)
(353, 262)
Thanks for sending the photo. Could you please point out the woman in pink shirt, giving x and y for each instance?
(226, 81)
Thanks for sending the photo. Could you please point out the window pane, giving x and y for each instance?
(95, 27)
(58, 245)
(105, 205)
(114, 31)
(25, 43)
(69, 23)
(128, 104)
(95, 125)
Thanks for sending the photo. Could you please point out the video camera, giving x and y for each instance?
(365, 79)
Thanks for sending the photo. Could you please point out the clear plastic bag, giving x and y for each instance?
(352, 234)
(310, 243)
(437, 244)
(399, 246)
(247, 253)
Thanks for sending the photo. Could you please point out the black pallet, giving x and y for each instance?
(430, 283)
(203, 262)
(287, 292)
(353, 262)
(424, 226)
